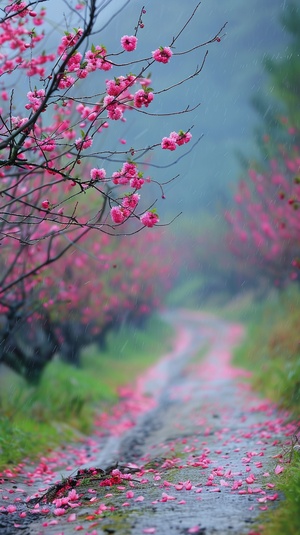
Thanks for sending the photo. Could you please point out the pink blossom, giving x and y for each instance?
(149, 219)
(11, 508)
(162, 54)
(65, 82)
(278, 469)
(114, 110)
(174, 139)
(115, 114)
(47, 144)
(136, 182)
(73, 496)
(194, 529)
(131, 201)
(142, 98)
(129, 42)
(118, 214)
(168, 143)
(98, 174)
(19, 7)
(46, 204)
(82, 73)
(59, 511)
(183, 137)
(74, 62)
(166, 497)
(35, 98)
(83, 143)
(17, 122)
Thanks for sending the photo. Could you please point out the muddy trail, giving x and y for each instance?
(188, 449)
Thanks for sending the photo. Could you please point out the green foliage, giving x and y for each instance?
(63, 405)
(272, 350)
(285, 73)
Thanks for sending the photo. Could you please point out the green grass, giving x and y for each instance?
(271, 351)
(285, 518)
(63, 405)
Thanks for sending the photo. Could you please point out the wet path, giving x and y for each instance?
(195, 451)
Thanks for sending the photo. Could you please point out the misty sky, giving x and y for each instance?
(232, 74)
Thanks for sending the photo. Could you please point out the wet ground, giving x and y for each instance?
(189, 449)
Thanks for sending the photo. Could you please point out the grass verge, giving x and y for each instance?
(271, 351)
(285, 519)
(62, 407)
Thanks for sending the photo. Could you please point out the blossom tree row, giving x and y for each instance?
(265, 225)
(95, 288)
(62, 184)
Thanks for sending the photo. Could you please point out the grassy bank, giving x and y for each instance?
(63, 405)
(285, 519)
(271, 351)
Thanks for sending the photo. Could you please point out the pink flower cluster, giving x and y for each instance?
(120, 213)
(162, 54)
(174, 139)
(68, 41)
(86, 112)
(83, 143)
(47, 144)
(96, 59)
(129, 174)
(98, 174)
(35, 99)
(143, 97)
(119, 85)
(21, 9)
(149, 218)
(129, 42)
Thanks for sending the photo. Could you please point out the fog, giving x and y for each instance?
(120, 337)
(233, 73)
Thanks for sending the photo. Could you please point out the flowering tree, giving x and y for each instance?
(72, 306)
(87, 307)
(56, 188)
(265, 226)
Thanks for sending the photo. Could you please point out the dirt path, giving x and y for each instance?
(188, 450)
